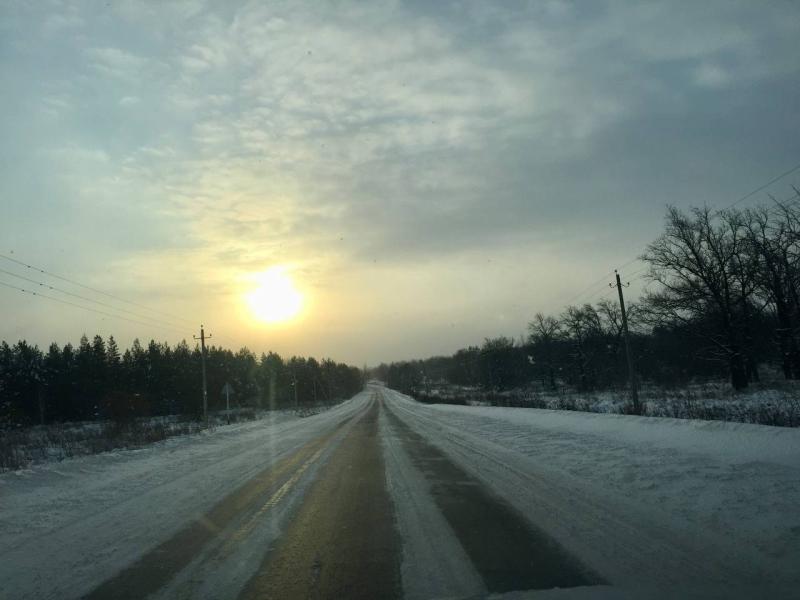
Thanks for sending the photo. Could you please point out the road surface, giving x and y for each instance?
(374, 499)
(343, 540)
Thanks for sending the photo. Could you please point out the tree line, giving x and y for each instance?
(98, 380)
(722, 301)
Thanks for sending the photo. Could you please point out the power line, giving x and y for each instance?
(589, 287)
(637, 271)
(94, 310)
(599, 282)
(232, 343)
(78, 296)
(91, 289)
(599, 286)
(87, 308)
(602, 281)
(151, 321)
(761, 188)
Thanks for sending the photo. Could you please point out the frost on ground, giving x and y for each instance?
(29, 446)
(67, 526)
(774, 403)
(649, 503)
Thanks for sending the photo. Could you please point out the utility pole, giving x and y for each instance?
(294, 385)
(631, 371)
(202, 339)
(226, 389)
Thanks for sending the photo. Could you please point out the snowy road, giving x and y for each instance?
(383, 497)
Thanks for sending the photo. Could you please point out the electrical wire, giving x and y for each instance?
(87, 308)
(761, 188)
(721, 210)
(633, 276)
(91, 289)
(155, 321)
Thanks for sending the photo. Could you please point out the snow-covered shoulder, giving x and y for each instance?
(680, 499)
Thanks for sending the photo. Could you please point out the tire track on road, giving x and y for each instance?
(508, 552)
(343, 542)
(158, 566)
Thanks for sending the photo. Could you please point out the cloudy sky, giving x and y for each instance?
(427, 173)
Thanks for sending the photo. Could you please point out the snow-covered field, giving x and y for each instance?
(773, 403)
(648, 502)
(24, 447)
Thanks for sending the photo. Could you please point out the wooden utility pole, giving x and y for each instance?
(202, 339)
(637, 409)
(294, 385)
(226, 389)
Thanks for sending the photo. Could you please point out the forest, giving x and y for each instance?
(98, 381)
(722, 301)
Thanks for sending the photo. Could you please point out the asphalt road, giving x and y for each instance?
(340, 537)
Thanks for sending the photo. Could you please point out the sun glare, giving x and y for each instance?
(275, 300)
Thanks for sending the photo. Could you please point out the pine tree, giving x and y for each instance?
(112, 352)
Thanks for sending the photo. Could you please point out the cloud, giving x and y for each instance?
(115, 62)
(416, 138)
(55, 23)
(713, 76)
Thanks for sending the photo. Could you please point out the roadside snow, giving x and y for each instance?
(65, 527)
(769, 403)
(647, 502)
(654, 505)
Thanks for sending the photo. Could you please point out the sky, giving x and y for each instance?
(426, 174)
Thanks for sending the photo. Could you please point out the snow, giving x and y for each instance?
(67, 526)
(769, 403)
(434, 563)
(649, 503)
(31, 446)
(659, 507)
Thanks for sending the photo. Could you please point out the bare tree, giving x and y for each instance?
(702, 266)
(583, 326)
(545, 331)
(773, 236)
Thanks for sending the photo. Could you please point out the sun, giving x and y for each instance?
(275, 300)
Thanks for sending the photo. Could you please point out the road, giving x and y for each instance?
(342, 541)
(382, 497)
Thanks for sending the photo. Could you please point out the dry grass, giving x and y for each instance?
(776, 403)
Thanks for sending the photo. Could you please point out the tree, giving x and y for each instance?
(544, 333)
(502, 364)
(583, 328)
(95, 382)
(773, 244)
(703, 270)
(272, 380)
